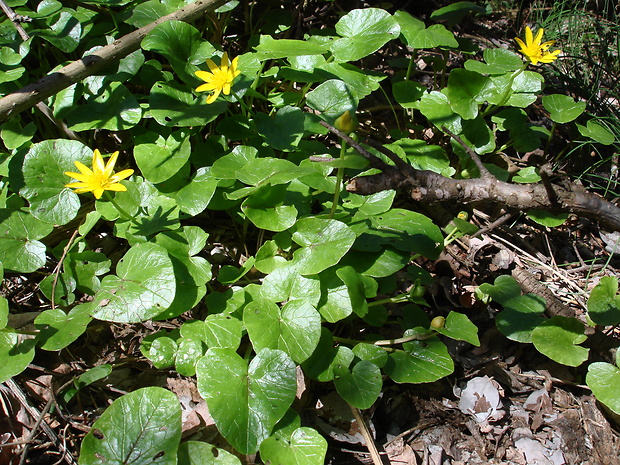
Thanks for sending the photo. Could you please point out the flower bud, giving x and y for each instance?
(346, 122)
(438, 322)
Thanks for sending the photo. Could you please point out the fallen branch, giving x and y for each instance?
(428, 186)
(53, 83)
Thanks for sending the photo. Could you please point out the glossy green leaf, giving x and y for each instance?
(404, 230)
(268, 258)
(286, 283)
(64, 33)
(497, 61)
(202, 453)
(466, 91)
(270, 48)
(44, 179)
(183, 47)
(559, 337)
(503, 289)
(194, 197)
(162, 159)
(423, 156)
(162, 351)
(230, 274)
(284, 131)
(361, 82)
(222, 331)
(377, 264)
(335, 303)
(304, 447)
(363, 32)
(421, 362)
(116, 109)
(454, 13)
(20, 249)
(436, 108)
(326, 358)
(562, 108)
(246, 401)
(332, 98)
(546, 218)
(361, 386)
(323, 243)
(147, 12)
(58, 329)
(188, 353)
(139, 428)
(371, 353)
(16, 352)
(14, 135)
(595, 131)
(604, 380)
(604, 303)
(92, 375)
(527, 175)
(172, 104)
(427, 37)
(86, 267)
(144, 286)
(460, 327)
(295, 328)
(407, 93)
(520, 316)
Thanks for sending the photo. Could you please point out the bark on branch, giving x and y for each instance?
(53, 83)
(428, 186)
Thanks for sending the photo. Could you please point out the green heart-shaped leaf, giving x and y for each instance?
(143, 288)
(296, 328)
(304, 447)
(604, 380)
(558, 339)
(361, 386)
(603, 303)
(201, 453)
(15, 352)
(44, 179)
(421, 362)
(139, 428)
(246, 401)
(323, 243)
(562, 108)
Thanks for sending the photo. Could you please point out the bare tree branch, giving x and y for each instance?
(53, 83)
(428, 186)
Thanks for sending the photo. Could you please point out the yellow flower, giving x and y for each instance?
(534, 49)
(219, 79)
(100, 178)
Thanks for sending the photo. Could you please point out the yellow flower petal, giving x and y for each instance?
(100, 178)
(83, 168)
(109, 167)
(220, 78)
(98, 165)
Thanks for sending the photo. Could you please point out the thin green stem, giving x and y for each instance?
(507, 92)
(121, 210)
(339, 177)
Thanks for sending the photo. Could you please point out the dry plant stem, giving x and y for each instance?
(8, 11)
(34, 413)
(484, 172)
(42, 107)
(428, 186)
(59, 266)
(370, 442)
(91, 64)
